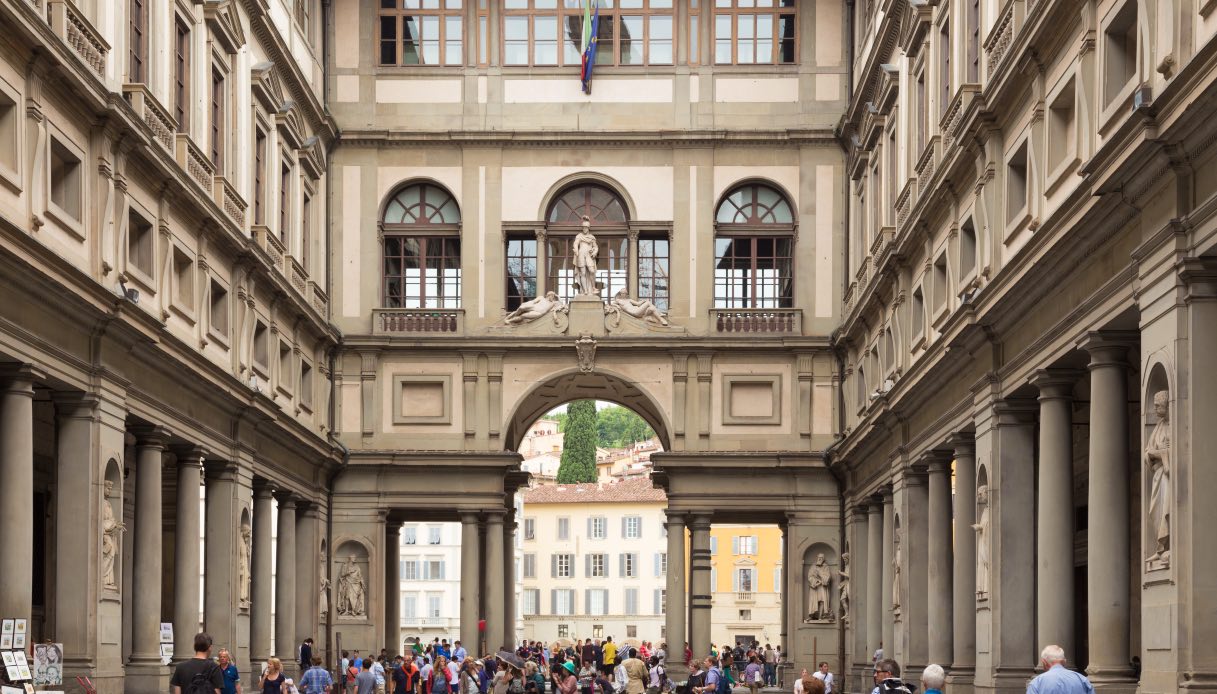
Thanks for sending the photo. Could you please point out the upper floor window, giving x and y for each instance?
(748, 32)
(631, 527)
(547, 32)
(218, 114)
(754, 249)
(421, 32)
(181, 74)
(607, 214)
(422, 248)
(137, 62)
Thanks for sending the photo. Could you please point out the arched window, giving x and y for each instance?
(607, 214)
(754, 249)
(422, 248)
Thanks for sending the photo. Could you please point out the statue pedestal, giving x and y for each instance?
(586, 316)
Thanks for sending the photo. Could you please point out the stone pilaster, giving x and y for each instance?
(859, 550)
(392, 590)
(940, 602)
(145, 672)
(1107, 571)
(260, 622)
(963, 660)
(700, 590)
(221, 585)
(677, 608)
(16, 490)
(308, 547)
(188, 538)
(495, 623)
(509, 581)
(285, 582)
(1054, 526)
(888, 626)
(911, 534)
(471, 578)
(874, 577)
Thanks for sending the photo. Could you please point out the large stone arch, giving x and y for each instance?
(571, 384)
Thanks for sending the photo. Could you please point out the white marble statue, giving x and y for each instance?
(536, 308)
(843, 586)
(1158, 458)
(896, 569)
(324, 600)
(111, 532)
(982, 542)
(351, 593)
(643, 309)
(818, 579)
(243, 562)
(584, 252)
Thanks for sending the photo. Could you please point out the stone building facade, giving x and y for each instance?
(299, 254)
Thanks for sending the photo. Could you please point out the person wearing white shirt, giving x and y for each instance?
(454, 674)
(825, 675)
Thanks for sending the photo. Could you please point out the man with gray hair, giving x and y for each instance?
(933, 679)
(1056, 678)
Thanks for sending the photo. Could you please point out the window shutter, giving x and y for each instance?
(589, 528)
(553, 601)
(634, 559)
(553, 566)
(587, 597)
(604, 602)
(587, 561)
(735, 544)
(656, 601)
(639, 527)
(621, 566)
(624, 524)
(713, 545)
(735, 581)
(755, 545)
(657, 565)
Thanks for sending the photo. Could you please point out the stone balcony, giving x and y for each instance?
(418, 321)
(784, 321)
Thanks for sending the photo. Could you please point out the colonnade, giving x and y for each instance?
(998, 563)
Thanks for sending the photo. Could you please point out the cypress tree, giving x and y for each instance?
(579, 444)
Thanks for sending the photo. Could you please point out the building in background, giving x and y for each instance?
(594, 562)
(746, 580)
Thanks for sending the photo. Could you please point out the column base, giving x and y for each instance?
(1199, 682)
(146, 676)
(960, 679)
(677, 672)
(1113, 682)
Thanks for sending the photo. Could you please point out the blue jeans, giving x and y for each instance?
(771, 677)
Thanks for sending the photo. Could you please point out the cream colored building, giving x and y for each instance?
(595, 562)
(746, 578)
(271, 248)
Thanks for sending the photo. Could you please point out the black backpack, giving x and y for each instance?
(200, 682)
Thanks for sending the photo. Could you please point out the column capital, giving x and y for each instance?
(221, 470)
(74, 404)
(937, 462)
(964, 443)
(20, 378)
(494, 516)
(674, 517)
(263, 490)
(1199, 276)
(1055, 384)
(393, 527)
(1108, 348)
(308, 509)
(287, 501)
(798, 518)
(699, 521)
(469, 517)
(190, 455)
(1015, 412)
(858, 509)
(151, 436)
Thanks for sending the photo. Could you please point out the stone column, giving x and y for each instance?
(1107, 573)
(80, 489)
(16, 490)
(858, 551)
(471, 577)
(145, 661)
(676, 609)
(874, 577)
(187, 546)
(963, 662)
(509, 582)
(308, 545)
(939, 602)
(221, 587)
(888, 628)
(495, 624)
(701, 592)
(285, 582)
(260, 576)
(912, 619)
(393, 586)
(1054, 526)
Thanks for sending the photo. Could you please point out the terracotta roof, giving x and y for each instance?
(622, 491)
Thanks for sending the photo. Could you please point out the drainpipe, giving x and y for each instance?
(828, 456)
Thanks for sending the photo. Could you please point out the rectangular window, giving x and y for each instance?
(547, 32)
(629, 565)
(285, 365)
(631, 601)
(944, 66)
(745, 615)
(753, 272)
(422, 271)
(941, 288)
(409, 607)
(1016, 184)
(597, 631)
(967, 249)
(183, 279)
(923, 106)
(67, 184)
(409, 535)
(532, 601)
(434, 605)
(434, 534)
(973, 37)
(421, 33)
(563, 528)
(259, 176)
(745, 544)
(219, 308)
(521, 271)
(597, 601)
(653, 259)
(917, 318)
(530, 565)
(1062, 127)
(435, 569)
(140, 238)
(563, 602)
(261, 346)
(612, 267)
(747, 32)
(217, 121)
(306, 218)
(285, 195)
(1120, 52)
(10, 125)
(597, 566)
(306, 384)
(409, 570)
(563, 630)
(303, 14)
(631, 527)
(530, 528)
(661, 601)
(597, 527)
(563, 565)
(137, 38)
(694, 32)
(744, 580)
(181, 75)
(663, 564)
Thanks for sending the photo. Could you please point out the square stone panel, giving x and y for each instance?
(422, 399)
(752, 399)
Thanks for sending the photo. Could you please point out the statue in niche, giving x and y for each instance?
(1158, 458)
(584, 252)
(896, 569)
(536, 308)
(325, 587)
(351, 590)
(843, 587)
(643, 309)
(818, 578)
(243, 562)
(982, 542)
(111, 532)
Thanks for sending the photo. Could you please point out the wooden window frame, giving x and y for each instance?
(181, 73)
(137, 41)
(972, 30)
(944, 66)
(260, 140)
(607, 14)
(218, 114)
(520, 278)
(735, 12)
(693, 31)
(399, 15)
(285, 197)
(428, 232)
(753, 230)
(649, 267)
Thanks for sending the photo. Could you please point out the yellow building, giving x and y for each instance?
(745, 580)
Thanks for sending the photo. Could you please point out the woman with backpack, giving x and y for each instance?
(437, 682)
(657, 680)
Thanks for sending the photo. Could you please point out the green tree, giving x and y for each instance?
(579, 444)
(620, 426)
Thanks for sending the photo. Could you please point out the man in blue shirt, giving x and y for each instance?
(459, 653)
(316, 679)
(713, 675)
(232, 678)
(1056, 678)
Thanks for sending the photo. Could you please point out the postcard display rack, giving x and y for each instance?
(20, 675)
